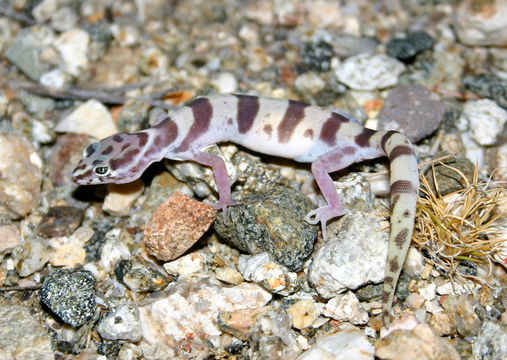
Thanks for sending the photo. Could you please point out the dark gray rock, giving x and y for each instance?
(406, 49)
(70, 294)
(316, 57)
(489, 86)
(272, 222)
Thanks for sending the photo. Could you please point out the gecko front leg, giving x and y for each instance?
(217, 165)
(336, 159)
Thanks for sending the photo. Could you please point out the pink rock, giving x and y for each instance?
(176, 225)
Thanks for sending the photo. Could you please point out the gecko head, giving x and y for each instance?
(115, 159)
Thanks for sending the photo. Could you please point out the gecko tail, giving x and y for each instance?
(404, 193)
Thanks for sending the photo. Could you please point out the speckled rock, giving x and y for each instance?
(178, 313)
(270, 275)
(369, 72)
(482, 22)
(121, 324)
(354, 254)
(491, 343)
(405, 49)
(30, 257)
(271, 222)
(420, 343)
(176, 225)
(70, 294)
(449, 180)
(486, 120)
(20, 183)
(60, 221)
(91, 118)
(141, 278)
(489, 86)
(240, 322)
(411, 110)
(347, 344)
(22, 336)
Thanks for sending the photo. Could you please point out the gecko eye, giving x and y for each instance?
(101, 170)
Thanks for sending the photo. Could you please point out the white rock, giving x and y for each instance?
(72, 47)
(448, 288)
(433, 307)
(413, 265)
(44, 9)
(121, 197)
(485, 118)
(186, 265)
(91, 118)
(270, 275)
(346, 307)
(344, 345)
(354, 254)
(309, 83)
(429, 291)
(369, 72)
(482, 23)
(225, 83)
(121, 324)
(30, 257)
(189, 308)
(55, 78)
(415, 301)
(113, 250)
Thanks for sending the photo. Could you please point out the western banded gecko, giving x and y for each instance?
(330, 139)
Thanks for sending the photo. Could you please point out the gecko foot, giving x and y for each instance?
(221, 205)
(322, 215)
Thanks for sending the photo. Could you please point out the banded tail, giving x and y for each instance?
(404, 193)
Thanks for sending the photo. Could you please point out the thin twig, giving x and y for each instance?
(16, 15)
(20, 288)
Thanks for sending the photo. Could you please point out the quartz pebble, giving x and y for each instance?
(346, 344)
(303, 313)
(70, 294)
(412, 110)
(30, 257)
(270, 275)
(72, 46)
(414, 264)
(20, 182)
(187, 265)
(354, 254)
(486, 120)
(240, 322)
(121, 324)
(415, 301)
(22, 336)
(176, 225)
(346, 307)
(91, 118)
(491, 342)
(369, 72)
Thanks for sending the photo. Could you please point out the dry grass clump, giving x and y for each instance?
(468, 224)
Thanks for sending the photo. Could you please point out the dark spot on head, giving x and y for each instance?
(143, 138)
(308, 133)
(363, 139)
(118, 138)
(125, 159)
(107, 150)
(90, 149)
(124, 147)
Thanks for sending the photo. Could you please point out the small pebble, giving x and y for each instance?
(60, 221)
(121, 197)
(413, 265)
(153, 61)
(21, 177)
(229, 275)
(10, 238)
(91, 118)
(70, 294)
(141, 278)
(187, 265)
(405, 49)
(415, 301)
(72, 46)
(225, 83)
(32, 256)
(346, 307)
(121, 324)
(369, 72)
(176, 225)
(240, 322)
(442, 323)
(486, 120)
(303, 313)
(491, 342)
